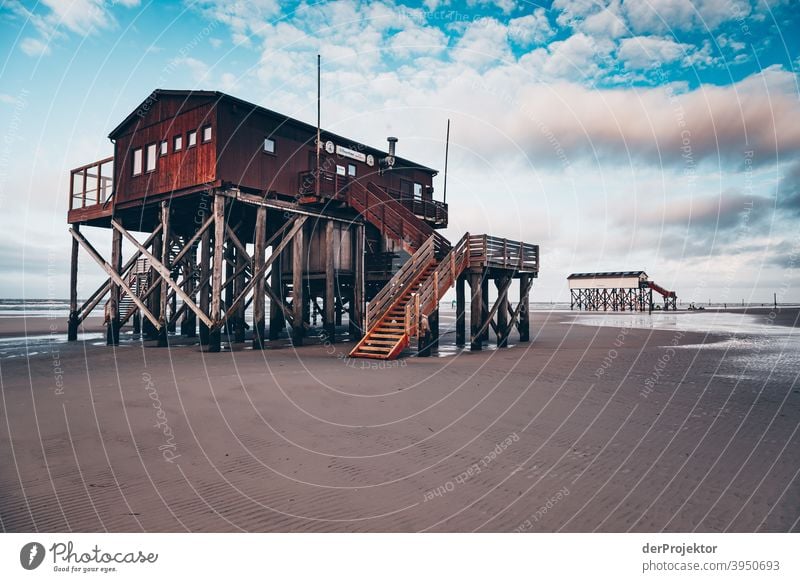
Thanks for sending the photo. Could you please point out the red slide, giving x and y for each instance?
(659, 289)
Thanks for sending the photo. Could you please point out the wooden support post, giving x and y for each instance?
(485, 304)
(330, 286)
(72, 324)
(277, 319)
(476, 312)
(259, 297)
(298, 299)
(238, 286)
(502, 284)
(165, 245)
(205, 274)
(189, 320)
(524, 308)
(112, 327)
(214, 339)
(433, 321)
(230, 259)
(461, 324)
(152, 301)
(357, 302)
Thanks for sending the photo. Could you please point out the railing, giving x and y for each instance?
(427, 298)
(425, 208)
(490, 251)
(332, 185)
(400, 282)
(91, 184)
(392, 218)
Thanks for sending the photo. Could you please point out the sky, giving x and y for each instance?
(661, 135)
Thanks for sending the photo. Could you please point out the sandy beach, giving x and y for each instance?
(596, 425)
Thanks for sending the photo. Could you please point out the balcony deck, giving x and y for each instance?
(90, 190)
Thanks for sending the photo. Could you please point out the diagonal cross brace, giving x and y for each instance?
(165, 274)
(111, 273)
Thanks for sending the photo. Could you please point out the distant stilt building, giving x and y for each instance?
(617, 291)
(236, 204)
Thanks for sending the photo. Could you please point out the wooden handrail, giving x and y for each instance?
(443, 277)
(401, 280)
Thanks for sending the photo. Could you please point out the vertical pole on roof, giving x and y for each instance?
(319, 130)
(446, 155)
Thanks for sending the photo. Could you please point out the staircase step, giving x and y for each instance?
(384, 350)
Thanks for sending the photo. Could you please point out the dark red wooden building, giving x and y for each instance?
(239, 205)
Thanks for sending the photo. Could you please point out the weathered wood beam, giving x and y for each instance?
(293, 235)
(111, 273)
(503, 293)
(297, 288)
(72, 323)
(164, 273)
(259, 301)
(216, 273)
(330, 301)
(95, 298)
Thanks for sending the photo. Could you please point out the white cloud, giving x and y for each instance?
(485, 42)
(578, 57)
(529, 30)
(507, 6)
(661, 16)
(33, 47)
(53, 19)
(644, 52)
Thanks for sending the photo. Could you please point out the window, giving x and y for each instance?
(269, 145)
(150, 158)
(137, 161)
(191, 138)
(340, 170)
(177, 143)
(351, 169)
(163, 150)
(417, 190)
(207, 134)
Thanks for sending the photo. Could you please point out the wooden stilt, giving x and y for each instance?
(153, 298)
(72, 324)
(433, 320)
(461, 324)
(277, 319)
(524, 308)
(214, 340)
(357, 304)
(189, 320)
(112, 328)
(165, 237)
(259, 297)
(238, 287)
(476, 311)
(330, 286)
(485, 305)
(298, 300)
(230, 260)
(502, 284)
(203, 290)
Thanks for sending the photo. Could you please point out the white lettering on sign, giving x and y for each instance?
(352, 154)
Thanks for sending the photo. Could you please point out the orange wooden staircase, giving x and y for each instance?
(394, 315)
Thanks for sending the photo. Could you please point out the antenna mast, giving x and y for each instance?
(319, 131)
(446, 155)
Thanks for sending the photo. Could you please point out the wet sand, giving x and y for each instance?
(587, 428)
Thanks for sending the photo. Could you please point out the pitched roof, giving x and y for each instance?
(607, 274)
(220, 96)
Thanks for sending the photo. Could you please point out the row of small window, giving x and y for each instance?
(146, 158)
